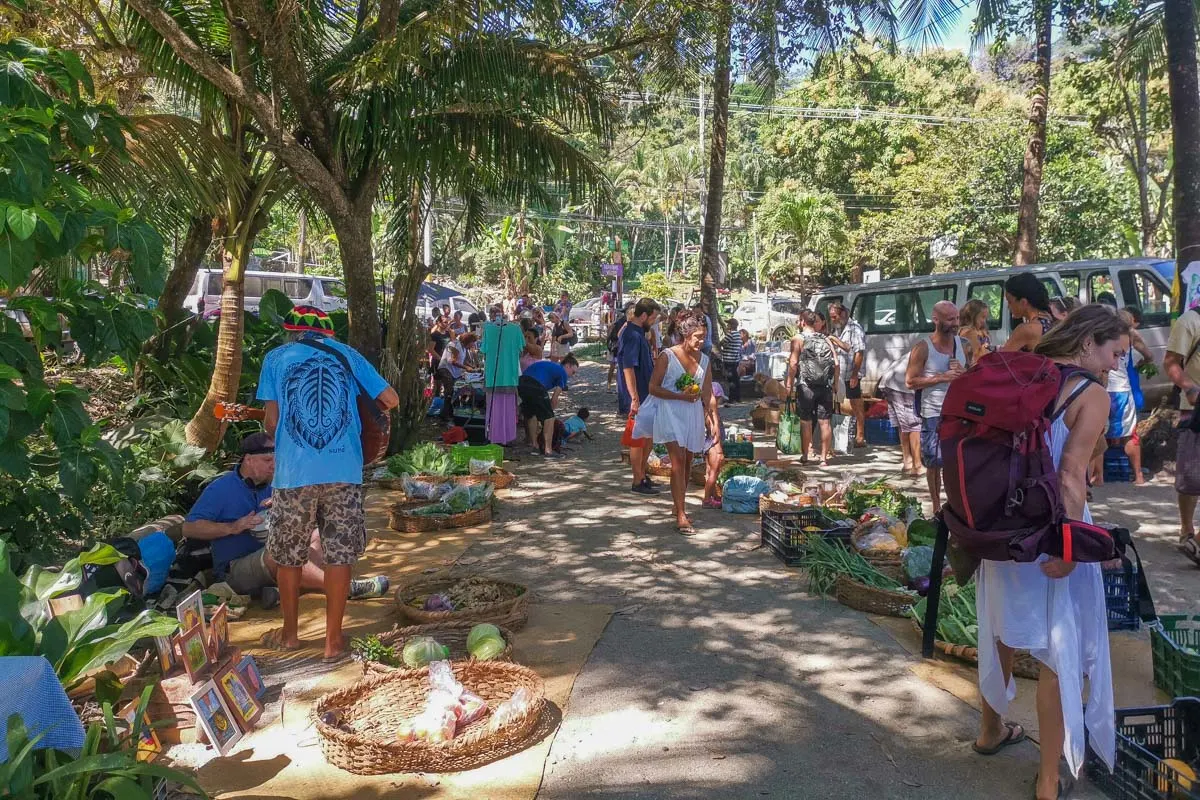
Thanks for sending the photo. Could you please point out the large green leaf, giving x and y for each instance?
(21, 221)
(62, 632)
(273, 307)
(16, 258)
(110, 642)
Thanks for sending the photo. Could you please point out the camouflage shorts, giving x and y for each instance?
(334, 509)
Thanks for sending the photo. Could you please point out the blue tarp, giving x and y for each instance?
(32, 690)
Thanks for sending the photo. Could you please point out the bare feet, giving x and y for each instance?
(684, 525)
(335, 649)
(275, 640)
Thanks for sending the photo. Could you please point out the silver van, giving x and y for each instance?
(896, 313)
(327, 294)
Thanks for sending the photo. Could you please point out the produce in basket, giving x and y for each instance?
(487, 648)
(860, 497)
(957, 622)
(482, 631)
(510, 709)
(921, 532)
(370, 648)
(459, 500)
(437, 602)
(422, 650)
(424, 459)
(825, 560)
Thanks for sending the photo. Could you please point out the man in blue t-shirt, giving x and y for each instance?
(230, 515)
(533, 390)
(635, 365)
(310, 388)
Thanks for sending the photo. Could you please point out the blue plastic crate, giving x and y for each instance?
(882, 431)
(1121, 599)
(1117, 468)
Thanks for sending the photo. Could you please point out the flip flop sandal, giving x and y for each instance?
(1014, 734)
(712, 502)
(685, 530)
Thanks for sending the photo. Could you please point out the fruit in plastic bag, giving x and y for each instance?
(509, 710)
(480, 631)
(422, 650)
(487, 648)
(435, 725)
(470, 708)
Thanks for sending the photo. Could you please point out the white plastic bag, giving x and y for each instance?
(481, 467)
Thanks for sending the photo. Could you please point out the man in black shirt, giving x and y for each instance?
(614, 332)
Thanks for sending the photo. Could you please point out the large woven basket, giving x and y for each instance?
(699, 470)
(500, 479)
(862, 597)
(767, 504)
(886, 561)
(511, 611)
(451, 634)
(375, 707)
(661, 471)
(1024, 665)
(402, 519)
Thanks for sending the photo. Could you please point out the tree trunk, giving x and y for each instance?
(183, 274)
(1179, 20)
(711, 238)
(358, 263)
(204, 429)
(401, 358)
(302, 241)
(1035, 152)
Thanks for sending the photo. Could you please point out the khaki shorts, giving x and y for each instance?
(334, 509)
(1187, 462)
(249, 574)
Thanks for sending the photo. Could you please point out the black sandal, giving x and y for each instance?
(1191, 550)
(1014, 733)
(1065, 785)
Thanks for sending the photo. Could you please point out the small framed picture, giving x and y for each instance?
(215, 718)
(193, 651)
(191, 611)
(218, 632)
(251, 677)
(168, 660)
(238, 697)
(149, 745)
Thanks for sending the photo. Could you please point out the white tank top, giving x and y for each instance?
(1118, 376)
(936, 362)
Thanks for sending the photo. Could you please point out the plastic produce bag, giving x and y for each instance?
(417, 489)
(509, 710)
(877, 532)
(480, 467)
(917, 562)
(739, 494)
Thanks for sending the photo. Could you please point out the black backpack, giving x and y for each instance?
(816, 360)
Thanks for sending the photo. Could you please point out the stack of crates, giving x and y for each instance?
(1116, 466)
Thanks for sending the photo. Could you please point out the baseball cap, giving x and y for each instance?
(257, 444)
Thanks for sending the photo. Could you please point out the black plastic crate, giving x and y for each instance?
(1121, 599)
(784, 532)
(1145, 738)
(881, 431)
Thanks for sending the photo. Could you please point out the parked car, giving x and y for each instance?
(433, 296)
(585, 312)
(327, 294)
(895, 314)
(772, 316)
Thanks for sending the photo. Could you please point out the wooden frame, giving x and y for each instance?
(149, 745)
(190, 612)
(214, 717)
(218, 632)
(168, 659)
(251, 677)
(187, 642)
(240, 699)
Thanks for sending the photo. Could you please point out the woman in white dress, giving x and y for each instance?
(1052, 608)
(676, 417)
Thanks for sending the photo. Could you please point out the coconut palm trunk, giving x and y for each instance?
(711, 241)
(183, 274)
(1179, 19)
(1035, 152)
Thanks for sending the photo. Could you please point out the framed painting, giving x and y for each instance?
(148, 746)
(218, 632)
(251, 677)
(190, 611)
(238, 697)
(193, 651)
(214, 716)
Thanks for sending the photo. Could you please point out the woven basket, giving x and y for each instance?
(886, 561)
(662, 471)
(375, 707)
(509, 612)
(1024, 665)
(451, 634)
(698, 470)
(500, 479)
(402, 519)
(767, 504)
(862, 597)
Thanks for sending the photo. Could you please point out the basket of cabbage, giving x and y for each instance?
(415, 646)
(461, 507)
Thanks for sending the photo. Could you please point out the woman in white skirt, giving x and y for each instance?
(675, 415)
(1052, 608)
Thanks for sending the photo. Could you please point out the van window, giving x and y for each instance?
(297, 288)
(333, 288)
(1100, 283)
(253, 286)
(1143, 290)
(1070, 282)
(906, 311)
(1051, 287)
(787, 307)
(825, 302)
(216, 283)
(992, 294)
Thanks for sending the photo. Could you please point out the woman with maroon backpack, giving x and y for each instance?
(1051, 607)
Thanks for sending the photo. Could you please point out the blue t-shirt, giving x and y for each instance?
(548, 374)
(317, 440)
(226, 499)
(633, 350)
(574, 425)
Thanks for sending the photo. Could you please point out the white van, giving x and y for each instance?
(895, 314)
(327, 294)
(773, 316)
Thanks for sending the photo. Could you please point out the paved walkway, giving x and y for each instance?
(720, 675)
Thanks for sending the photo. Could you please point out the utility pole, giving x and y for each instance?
(302, 240)
(754, 237)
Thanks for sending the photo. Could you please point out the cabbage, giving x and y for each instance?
(487, 648)
(422, 650)
(481, 631)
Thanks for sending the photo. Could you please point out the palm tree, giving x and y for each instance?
(1026, 251)
(804, 226)
(1179, 25)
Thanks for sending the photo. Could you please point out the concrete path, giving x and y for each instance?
(720, 675)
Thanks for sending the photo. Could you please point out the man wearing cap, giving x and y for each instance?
(309, 387)
(230, 514)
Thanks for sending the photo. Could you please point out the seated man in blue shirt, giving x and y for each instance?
(231, 514)
(533, 390)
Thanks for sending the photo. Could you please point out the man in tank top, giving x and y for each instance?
(935, 361)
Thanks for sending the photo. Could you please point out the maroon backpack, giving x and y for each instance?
(1004, 502)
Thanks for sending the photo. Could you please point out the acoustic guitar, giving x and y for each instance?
(376, 424)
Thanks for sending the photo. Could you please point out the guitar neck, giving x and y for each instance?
(236, 412)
